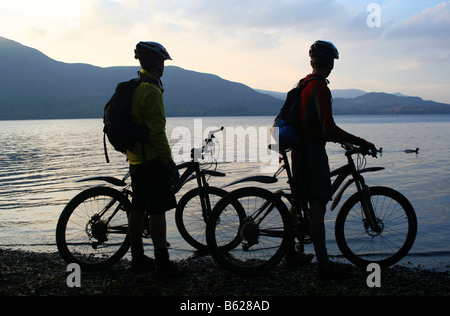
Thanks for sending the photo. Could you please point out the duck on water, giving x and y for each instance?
(408, 151)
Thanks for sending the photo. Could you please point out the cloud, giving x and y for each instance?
(251, 17)
(114, 15)
(263, 14)
(36, 32)
(261, 43)
(407, 65)
(431, 23)
(249, 24)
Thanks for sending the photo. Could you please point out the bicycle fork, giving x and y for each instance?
(370, 219)
(203, 194)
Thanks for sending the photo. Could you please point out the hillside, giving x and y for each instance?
(34, 86)
(384, 103)
(358, 102)
(191, 93)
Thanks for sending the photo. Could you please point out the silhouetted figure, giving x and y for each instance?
(310, 161)
(151, 166)
(410, 151)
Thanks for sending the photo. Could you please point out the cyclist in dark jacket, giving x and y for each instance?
(310, 161)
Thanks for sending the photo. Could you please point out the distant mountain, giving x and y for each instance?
(278, 95)
(337, 93)
(347, 93)
(384, 103)
(34, 86)
(359, 102)
(190, 93)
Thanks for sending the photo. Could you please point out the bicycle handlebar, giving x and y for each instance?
(210, 138)
(352, 149)
(198, 152)
(211, 133)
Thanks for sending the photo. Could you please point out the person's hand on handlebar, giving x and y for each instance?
(369, 148)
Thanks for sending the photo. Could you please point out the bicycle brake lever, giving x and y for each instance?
(374, 153)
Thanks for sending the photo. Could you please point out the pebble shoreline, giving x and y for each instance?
(44, 274)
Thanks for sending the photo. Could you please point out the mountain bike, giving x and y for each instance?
(92, 229)
(376, 224)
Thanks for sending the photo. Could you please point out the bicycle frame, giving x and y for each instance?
(193, 171)
(358, 179)
(193, 167)
(340, 173)
(251, 229)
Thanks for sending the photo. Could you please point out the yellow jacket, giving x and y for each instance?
(147, 108)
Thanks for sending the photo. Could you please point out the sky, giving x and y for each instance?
(385, 46)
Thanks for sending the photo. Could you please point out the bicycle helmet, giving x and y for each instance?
(323, 49)
(150, 49)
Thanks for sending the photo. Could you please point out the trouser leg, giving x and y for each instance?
(317, 231)
(159, 233)
(135, 226)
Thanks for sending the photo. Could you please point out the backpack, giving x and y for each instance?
(118, 126)
(286, 125)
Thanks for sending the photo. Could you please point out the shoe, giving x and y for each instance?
(142, 264)
(296, 259)
(171, 270)
(333, 270)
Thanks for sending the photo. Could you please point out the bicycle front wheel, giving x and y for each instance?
(92, 230)
(191, 217)
(249, 231)
(397, 221)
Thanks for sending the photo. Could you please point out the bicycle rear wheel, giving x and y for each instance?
(360, 244)
(191, 219)
(92, 230)
(249, 231)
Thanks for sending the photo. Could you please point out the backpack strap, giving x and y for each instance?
(317, 106)
(132, 84)
(296, 93)
(160, 86)
(304, 81)
(104, 148)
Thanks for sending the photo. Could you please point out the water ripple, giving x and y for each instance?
(40, 162)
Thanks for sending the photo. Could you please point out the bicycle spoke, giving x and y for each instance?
(395, 218)
(258, 239)
(93, 228)
(190, 217)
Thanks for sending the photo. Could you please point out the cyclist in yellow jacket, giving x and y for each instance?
(151, 166)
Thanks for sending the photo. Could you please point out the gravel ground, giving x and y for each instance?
(44, 274)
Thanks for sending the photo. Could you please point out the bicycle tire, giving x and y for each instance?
(360, 245)
(189, 217)
(81, 239)
(231, 220)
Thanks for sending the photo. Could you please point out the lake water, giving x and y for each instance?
(40, 161)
